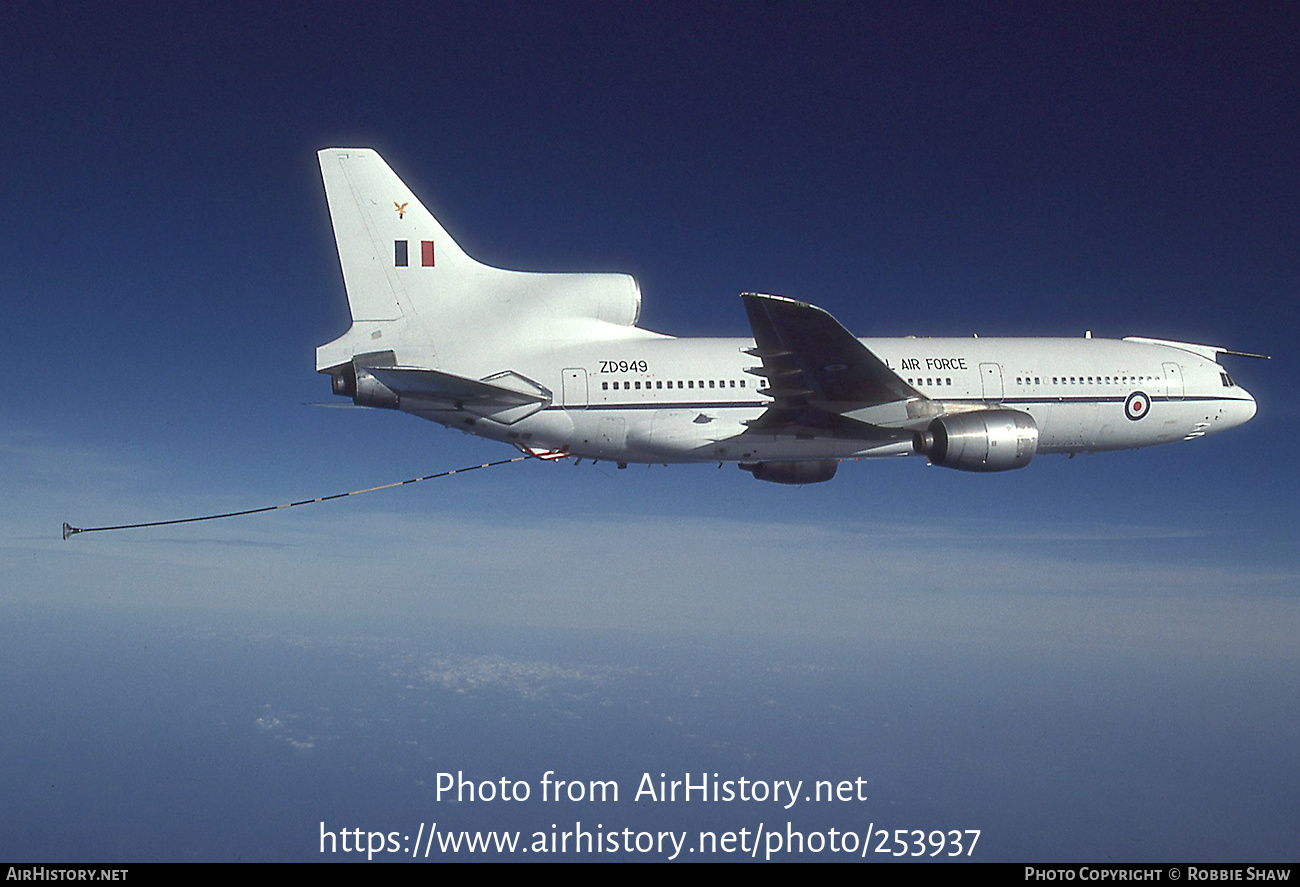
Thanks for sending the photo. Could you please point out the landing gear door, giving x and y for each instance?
(575, 388)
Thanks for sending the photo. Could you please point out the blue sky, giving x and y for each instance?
(168, 269)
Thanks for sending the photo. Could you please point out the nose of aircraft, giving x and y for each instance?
(1240, 411)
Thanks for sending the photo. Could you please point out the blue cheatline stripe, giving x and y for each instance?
(753, 404)
(1049, 401)
(666, 405)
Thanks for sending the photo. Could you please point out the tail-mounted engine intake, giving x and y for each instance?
(792, 472)
(353, 380)
(985, 440)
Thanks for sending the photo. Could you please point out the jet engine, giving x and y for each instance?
(365, 390)
(373, 393)
(985, 440)
(792, 472)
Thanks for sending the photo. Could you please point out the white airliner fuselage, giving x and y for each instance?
(555, 365)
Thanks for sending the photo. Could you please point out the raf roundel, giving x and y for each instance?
(1137, 405)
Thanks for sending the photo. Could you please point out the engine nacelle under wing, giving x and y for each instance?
(985, 440)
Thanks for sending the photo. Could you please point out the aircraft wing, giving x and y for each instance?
(817, 372)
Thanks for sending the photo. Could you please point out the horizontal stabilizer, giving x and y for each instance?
(504, 397)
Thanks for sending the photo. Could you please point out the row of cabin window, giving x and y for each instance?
(690, 383)
(929, 382)
(1087, 380)
(1110, 380)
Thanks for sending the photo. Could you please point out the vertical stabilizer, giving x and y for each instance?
(380, 228)
(414, 292)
